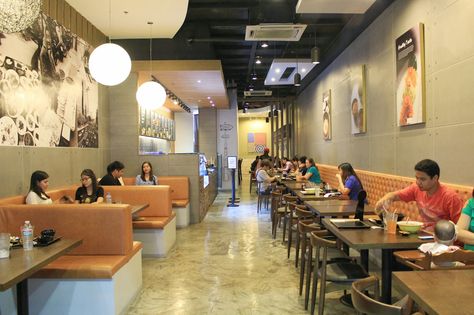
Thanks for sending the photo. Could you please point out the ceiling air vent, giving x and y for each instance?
(275, 32)
(258, 93)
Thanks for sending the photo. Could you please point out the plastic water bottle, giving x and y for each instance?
(27, 235)
(108, 198)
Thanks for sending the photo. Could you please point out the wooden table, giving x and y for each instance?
(138, 208)
(333, 207)
(22, 264)
(439, 291)
(365, 239)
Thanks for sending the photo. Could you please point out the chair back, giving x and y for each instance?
(290, 198)
(307, 226)
(318, 241)
(367, 305)
(302, 213)
(277, 197)
(464, 256)
(361, 196)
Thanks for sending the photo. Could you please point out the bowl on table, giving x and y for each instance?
(410, 226)
(311, 190)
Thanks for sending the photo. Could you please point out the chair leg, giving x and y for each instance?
(284, 227)
(315, 281)
(297, 246)
(309, 263)
(322, 291)
(290, 235)
(302, 267)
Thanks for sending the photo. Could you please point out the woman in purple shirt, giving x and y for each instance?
(349, 183)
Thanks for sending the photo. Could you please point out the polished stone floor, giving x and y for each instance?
(228, 264)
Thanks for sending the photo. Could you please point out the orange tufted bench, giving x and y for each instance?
(157, 229)
(101, 276)
(179, 196)
(379, 184)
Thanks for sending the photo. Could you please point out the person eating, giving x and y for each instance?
(349, 183)
(434, 200)
(312, 173)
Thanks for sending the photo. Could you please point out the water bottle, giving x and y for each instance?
(108, 198)
(27, 235)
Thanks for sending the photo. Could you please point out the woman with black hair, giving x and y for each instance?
(312, 172)
(146, 177)
(349, 183)
(90, 191)
(39, 183)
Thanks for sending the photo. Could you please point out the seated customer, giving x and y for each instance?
(349, 183)
(263, 178)
(39, 183)
(287, 166)
(146, 177)
(296, 163)
(114, 172)
(90, 191)
(466, 224)
(312, 172)
(254, 164)
(302, 166)
(435, 201)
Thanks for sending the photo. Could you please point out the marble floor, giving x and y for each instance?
(228, 264)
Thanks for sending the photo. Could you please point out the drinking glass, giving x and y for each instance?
(390, 221)
(4, 245)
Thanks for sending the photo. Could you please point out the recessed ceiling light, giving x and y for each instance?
(273, 79)
(198, 81)
(277, 70)
(213, 105)
(258, 61)
(208, 97)
(211, 101)
(303, 70)
(199, 101)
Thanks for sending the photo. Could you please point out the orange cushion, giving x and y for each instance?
(86, 266)
(153, 222)
(180, 203)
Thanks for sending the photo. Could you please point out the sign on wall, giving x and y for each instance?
(410, 78)
(47, 95)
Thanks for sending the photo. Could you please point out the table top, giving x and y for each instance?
(22, 264)
(452, 293)
(374, 238)
(333, 208)
(138, 208)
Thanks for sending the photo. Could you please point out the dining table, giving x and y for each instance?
(22, 264)
(376, 238)
(136, 209)
(443, 292)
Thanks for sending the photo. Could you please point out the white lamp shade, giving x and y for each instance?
(110, 64)
(151, 95)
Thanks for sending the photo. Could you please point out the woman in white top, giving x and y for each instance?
(146, 177)
(264, 179)
(38, 184)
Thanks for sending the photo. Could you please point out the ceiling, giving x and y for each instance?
(196, 82)
(129, 18)
(215, 30)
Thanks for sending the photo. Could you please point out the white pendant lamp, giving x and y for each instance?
(109, 63)
(151, 94)
(17, 15)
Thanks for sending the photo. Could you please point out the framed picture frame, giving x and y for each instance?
(327, 119)
(358, 103)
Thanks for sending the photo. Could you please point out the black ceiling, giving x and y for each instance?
(215, 29)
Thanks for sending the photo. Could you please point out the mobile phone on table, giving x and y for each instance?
(426, 237)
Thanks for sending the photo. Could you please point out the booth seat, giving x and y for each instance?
(101, 276)
(179, 196)
(157, 227)
(379, 184)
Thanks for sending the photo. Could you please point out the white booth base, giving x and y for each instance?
(182, 216)
(157, 242)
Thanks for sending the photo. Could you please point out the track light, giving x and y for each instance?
(297, 79)
(258, 60)
(254, 76)
(315, 55)
(264, 45)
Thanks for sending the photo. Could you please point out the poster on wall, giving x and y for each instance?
(358, 102)
(327, 121)
(256, 142)
(410, 80)
(47, 95)
(155, 125)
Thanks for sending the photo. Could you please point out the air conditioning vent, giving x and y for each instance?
(258, 93)
(275, 32)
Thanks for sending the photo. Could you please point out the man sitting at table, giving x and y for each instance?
(434, 201)
(114, 173)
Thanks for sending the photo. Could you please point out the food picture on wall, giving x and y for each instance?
(47, 96)
(410, 77)
(357, 102)
(327, 115)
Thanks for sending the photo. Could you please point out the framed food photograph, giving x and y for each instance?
(410, 77)
(358, 102)
(327, 115)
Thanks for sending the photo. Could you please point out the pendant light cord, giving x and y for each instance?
(151, 49)
(110, 21)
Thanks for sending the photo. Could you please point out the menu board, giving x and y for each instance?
(154, 125)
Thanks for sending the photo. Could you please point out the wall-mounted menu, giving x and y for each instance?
(155, 125)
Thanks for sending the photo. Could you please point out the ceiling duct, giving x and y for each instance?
(258, 93)
(274, 32)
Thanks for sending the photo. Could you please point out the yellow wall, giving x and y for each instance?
(251, 124)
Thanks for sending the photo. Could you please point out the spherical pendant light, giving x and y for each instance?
(110, 64)
(17, 15)
(151, 95)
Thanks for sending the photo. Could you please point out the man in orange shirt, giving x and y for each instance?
(434, 201)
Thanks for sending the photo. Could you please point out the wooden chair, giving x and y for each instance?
(305, 227)
(339, 274)
(292, 220)
(253, 180)
(289, 199)
(426, 261)
(301, 214)
(368, 305)
(262, 197)
(276, 207)
(361, 197)
(239, 170)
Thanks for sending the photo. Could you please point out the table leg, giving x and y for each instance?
(387, 267)
(364, 259)
(22, 297)
(345, 248)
